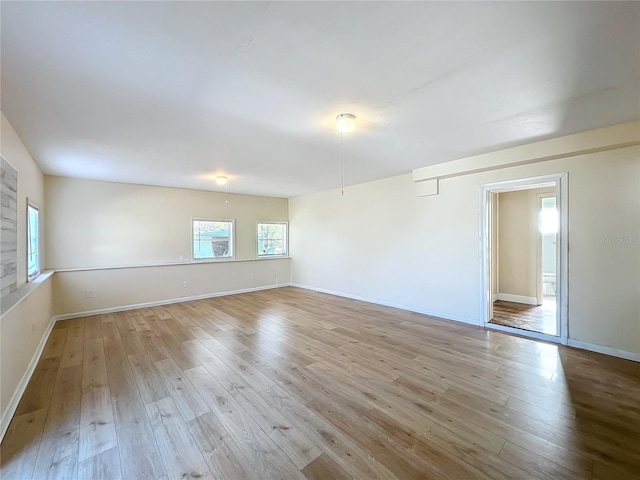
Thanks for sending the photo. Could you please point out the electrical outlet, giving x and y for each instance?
(181, 258)
(252, 276)
(185, 284)
(88, 294)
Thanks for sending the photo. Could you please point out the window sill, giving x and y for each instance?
(171, 264)
(24, 291)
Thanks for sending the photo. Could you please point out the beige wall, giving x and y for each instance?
(113, 288)
(382, 242)
(101, 224)
(30, 185)
(517, 250)
(95, 225)
(24, 326)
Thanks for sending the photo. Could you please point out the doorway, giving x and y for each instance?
(524, 257)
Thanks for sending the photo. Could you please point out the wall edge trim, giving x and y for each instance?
(170, 264)
(508, 297)
(613, 352)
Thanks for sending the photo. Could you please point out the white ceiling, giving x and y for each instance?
(174, 93)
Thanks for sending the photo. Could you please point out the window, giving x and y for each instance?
(272, 239)
(549, 216)
(212, 238)
(33, 242)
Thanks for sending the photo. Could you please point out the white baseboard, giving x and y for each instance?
(606, 350)
(507, 297)
(494, 297)
(124, 308)
(440, 315)
(7, 415)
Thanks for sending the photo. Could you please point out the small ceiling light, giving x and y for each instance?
(221, 180)
(346, 122)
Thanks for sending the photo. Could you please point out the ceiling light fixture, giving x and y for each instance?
(345, 122)
(221, 180)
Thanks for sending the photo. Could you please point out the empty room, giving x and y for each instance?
(320, 240)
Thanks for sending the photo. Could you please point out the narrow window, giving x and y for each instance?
(272, 239)
(33, 242)
(212, 238)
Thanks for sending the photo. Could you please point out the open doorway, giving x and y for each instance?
(524, 261)
(524, 257)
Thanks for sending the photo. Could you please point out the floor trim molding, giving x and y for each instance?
(444, 316)
(135, 306)
(508, 297)
(614, 352)
(8, 413)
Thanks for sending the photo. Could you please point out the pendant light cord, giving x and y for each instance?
(341, 166)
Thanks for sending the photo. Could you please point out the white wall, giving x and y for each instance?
(25, 325)
(93, 226)
(382, 242)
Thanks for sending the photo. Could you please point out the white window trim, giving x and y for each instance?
(273, 222)
(232, 242)
(31, 204)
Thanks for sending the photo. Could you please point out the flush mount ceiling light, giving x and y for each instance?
(222, 180)
(346, 122)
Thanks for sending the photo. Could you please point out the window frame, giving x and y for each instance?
(34, 206)
(232, 240)
(286, 240)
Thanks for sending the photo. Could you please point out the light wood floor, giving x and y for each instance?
(536, 318)
(291, 384)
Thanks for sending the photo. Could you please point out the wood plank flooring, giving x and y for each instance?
(535, 318)
(287, 383)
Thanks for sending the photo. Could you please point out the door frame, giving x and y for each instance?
(560, 180)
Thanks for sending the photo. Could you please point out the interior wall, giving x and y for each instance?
(94, 226)
(382, 242)
(24, 327)
(27, 315)
(102, 224)
(30, 185)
